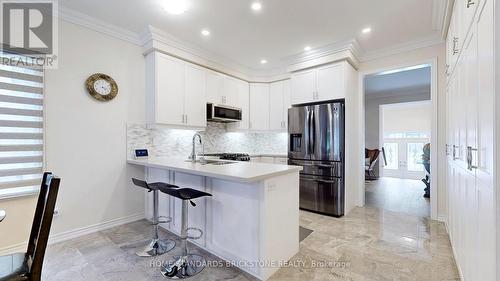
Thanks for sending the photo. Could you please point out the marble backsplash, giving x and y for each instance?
(161, 141)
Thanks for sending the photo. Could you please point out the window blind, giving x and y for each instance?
(21, 128)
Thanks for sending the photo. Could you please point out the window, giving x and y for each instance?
(21, 130)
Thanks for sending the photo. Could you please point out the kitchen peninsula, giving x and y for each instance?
(252, 219)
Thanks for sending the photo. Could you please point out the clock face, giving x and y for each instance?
(102, 87)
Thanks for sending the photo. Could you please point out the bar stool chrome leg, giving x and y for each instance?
(187, 265)
(156, 246)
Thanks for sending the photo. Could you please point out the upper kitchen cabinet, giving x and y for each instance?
(303, 86)
(223, 89)
(259, 106)
(242, 96)
(175, 92)
(279, 102)
(320, 84)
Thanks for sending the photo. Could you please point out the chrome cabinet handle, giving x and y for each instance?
(455, 152)
(469, 158)
(455, 43)
(470, 3)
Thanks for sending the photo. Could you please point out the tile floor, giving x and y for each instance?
(367, 244)
(398, 195)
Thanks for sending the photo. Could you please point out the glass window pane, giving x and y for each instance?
(391, 153)
(415, 151)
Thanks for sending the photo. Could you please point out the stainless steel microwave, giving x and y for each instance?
(223, 113)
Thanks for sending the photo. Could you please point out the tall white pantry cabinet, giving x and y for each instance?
(471, 138)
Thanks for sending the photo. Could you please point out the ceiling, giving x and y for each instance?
(279, 31)
(416, 81)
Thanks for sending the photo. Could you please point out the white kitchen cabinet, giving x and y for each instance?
(279, 102)
(242, 92)
(470, 134)
(330, 83)
(321, 84)
(214, 82)
(223, 89)
(287, 100)
(259, 106)
(303, 86)
(195, 87)
(175, 92)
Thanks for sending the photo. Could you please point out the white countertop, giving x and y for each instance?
(239, 171)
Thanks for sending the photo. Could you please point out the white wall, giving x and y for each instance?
(413, 58)
(85, 138)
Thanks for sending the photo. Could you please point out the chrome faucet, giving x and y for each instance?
(193, 152)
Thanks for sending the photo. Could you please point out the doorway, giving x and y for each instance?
(398, 136)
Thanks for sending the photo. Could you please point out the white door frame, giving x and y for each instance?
(433, 62)
(381, 139)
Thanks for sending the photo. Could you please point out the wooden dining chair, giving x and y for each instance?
(28, 266)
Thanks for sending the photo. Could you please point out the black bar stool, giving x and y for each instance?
(187, 265)
(156, 246)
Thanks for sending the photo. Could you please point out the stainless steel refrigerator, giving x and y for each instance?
(316, 142)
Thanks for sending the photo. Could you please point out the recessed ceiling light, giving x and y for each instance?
(175, 7)
(205, 32)
(366, 30)
(263, 61)
(256, 6)
(307, 48)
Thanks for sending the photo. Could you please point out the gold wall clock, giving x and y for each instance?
(102, 87)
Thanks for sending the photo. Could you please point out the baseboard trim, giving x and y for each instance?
(75, 233)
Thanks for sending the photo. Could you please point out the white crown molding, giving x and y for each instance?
(92, 23)
(156, 39)
(402, 48)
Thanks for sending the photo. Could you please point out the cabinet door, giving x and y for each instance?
(230, 88)
(259, 107)
(276, 104)
(486, 95)
(169, 90)
(287, 101)
(470, 94)
(195, 99)
(243, 103)
(486, 254)
(330, 81)
(214, 87)
(303, 86)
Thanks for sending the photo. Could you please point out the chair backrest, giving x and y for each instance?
(42, 222)
(373, 154)
(141, 183)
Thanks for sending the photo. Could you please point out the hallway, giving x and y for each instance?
(398, 195)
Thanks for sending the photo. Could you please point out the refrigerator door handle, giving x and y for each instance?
(312, 132)
(309, 116)
(318, 180)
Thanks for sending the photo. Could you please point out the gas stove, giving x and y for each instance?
(230, 156)
(235, 156)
